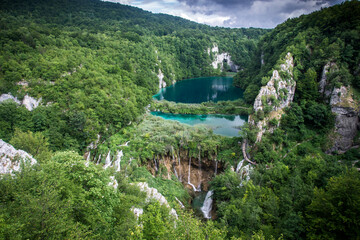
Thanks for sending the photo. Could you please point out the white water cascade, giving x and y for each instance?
(118, 160)
(87, 160)
(207, 206)
(244, 171)
(156, 165)
(176, 175)
(239, 166)
(107, 161)
(216, 163)
(189, 182)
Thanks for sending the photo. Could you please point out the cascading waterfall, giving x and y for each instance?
(118, 160)
(176, 175)
(216, 163)
(99, 160)
(87, 160)
(244, 171)
(192, 185)
(107, 161)
(180, 203)
(207, 206)
(156, 165)
(239, 166)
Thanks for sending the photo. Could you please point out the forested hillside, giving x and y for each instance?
(303, 134)
(96, 64)
(106, 169)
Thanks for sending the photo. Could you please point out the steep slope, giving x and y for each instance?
(95, 65)
(317, 41)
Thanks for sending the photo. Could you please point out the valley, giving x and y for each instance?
(117, 123)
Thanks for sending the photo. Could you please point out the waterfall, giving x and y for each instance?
(192, 185)
(118, 160)
(99, 160)
(87, 160)
(125, 144)
(156, 165)
(176, 175)
(107, 161)
(172, 151)
(189, 170)
(180, 203)
(207, 206)
(244, 171)
(239, 166)
(216, 163)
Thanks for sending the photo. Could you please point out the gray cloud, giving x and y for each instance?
(233, 13)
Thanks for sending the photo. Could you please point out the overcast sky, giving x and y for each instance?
(233, 13)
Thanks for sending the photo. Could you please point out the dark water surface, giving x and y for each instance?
(226, 125)
(200, 90)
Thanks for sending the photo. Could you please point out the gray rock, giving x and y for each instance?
(10, 158)
(275, 88)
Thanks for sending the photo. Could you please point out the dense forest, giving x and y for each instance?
(95, 66)
(100, 62)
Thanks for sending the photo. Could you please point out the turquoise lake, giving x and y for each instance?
(225, 125)
(200, 90)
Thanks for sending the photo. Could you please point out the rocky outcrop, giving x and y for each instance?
(154, 194)
(345, 109)
(194, 173)
(221, 58)
(323, 84)
(10, 158)
(274, 97)
(29, 102)
(347, 119)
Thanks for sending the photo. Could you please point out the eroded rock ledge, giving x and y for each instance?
(274, 97)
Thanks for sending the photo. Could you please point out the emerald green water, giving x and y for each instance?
(200, 90)
(225, 125)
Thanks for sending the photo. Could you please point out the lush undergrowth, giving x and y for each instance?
(237, 107)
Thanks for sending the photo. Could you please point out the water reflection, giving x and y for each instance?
(201, 90)
(226, 125)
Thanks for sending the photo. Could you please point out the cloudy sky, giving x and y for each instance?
(233, 13)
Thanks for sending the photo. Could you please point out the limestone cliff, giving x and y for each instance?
(346, 110)
(221, 58)
(10, 158)
(29, 102)
(274, 97)
(194, 173)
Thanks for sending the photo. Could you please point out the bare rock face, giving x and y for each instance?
(275, 96)
(347, 120)
(345, 109)
(323, 89)
(10, 158)
(29, 102)
(153, 193)
(220, 58)
(195, 173)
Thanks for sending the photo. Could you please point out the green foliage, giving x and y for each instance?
(34, 143)
(334, 211)
(329, 35)
(97, 64)
(64, 198)
(237, 107)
